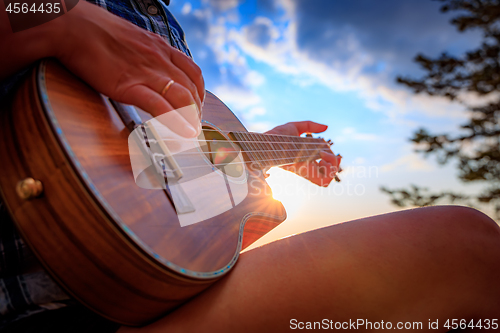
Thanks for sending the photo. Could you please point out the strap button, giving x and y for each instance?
(29, 188)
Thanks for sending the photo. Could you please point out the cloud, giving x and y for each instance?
(186, 9)
(225, 69)
(254, 78)
(409, 162)
(350, 134)
(256, 111)
(346, 49)
(260, 127)
(346, 46)
(222, 5)
(261, 32)
(240, 98)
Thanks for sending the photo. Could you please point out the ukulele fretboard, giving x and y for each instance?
(275, 150)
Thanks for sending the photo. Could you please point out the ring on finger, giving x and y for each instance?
(167, 86)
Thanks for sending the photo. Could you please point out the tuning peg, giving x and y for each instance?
(309, 135)
(330, 142)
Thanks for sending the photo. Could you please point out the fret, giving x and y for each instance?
(290, 153)
(297, 149)
(251, 146)
(279, 142)
(307, 150)
(271, 150)
(309, 147)
(287, 154)
(320, 145)
(279, 148)
(275, 150)
(244, 145)
(263, 159)
(288, 148)
(260, 148)
(315, 145)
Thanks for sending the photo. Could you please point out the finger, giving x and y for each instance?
(158, 79)
(309, 127)
(319, 173)
(182, 100)
(331, 158)
(311, 172)
(178, 124)
(296, 168)
(325, 169)
(180, 78)
(280, 130)
(152, 102)
(188, 66)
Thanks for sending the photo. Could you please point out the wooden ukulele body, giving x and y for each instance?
(116, 247)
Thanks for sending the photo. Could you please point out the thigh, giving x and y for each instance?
(415, 265)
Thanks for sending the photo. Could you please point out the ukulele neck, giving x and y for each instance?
(270, 150)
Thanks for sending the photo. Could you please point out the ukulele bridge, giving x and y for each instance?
(159, 153)
(165, 165)
(147, 147)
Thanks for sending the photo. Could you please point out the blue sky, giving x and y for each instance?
(335, 62)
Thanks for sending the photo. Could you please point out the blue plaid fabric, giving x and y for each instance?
(25, 288)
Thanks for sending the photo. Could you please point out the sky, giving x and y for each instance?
(333, 62)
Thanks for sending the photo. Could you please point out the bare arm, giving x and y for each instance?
(115, 57)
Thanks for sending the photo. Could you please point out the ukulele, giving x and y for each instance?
(134, 244)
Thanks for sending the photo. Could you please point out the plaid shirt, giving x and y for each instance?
(25, 288)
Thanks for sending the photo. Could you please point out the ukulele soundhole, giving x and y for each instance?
(221, 152)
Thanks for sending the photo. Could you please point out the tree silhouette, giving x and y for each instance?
(477, 147)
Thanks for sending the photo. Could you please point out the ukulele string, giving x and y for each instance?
(289, 137)
(256, 142)
(281, 161)
(246, 162)
(249, 151)
(255, 133)
(312, 154)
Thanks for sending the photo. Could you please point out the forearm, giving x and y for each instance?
(20, 49)
(113, 56)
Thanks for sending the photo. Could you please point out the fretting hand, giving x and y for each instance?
(320, 173)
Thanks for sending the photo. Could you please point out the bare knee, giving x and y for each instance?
(472, 236)
(466, 221)
(458, 251)
(459, 236)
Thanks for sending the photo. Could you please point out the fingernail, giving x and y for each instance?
(187, 130)
(177, 124)
(191, 132)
